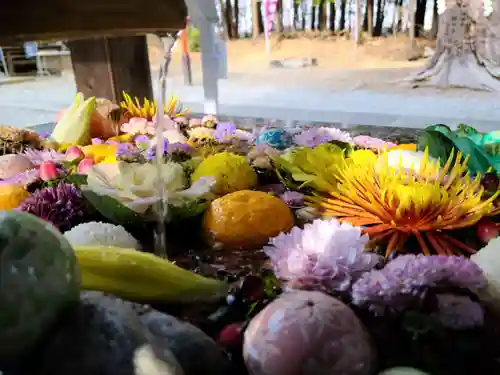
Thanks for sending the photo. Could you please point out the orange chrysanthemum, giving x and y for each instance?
(393, 204)
(147, 110)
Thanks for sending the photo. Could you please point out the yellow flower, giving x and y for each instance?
(394, 204)
(101, 153)
(147, 110)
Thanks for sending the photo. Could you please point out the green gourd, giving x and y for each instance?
(39, 277)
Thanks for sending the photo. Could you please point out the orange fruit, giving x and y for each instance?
(405, 146)
(11, 196)
(246, 219)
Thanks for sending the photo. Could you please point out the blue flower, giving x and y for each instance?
(276, 138)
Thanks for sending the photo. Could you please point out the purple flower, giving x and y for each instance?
(151, 152)
(24, 178)
(97, 141)
(277, 189)
(407, 279)
(44, 134)
(293, 199)
(142, 141)
(37, 157)
(315, 136)
(224, 132)
(62, 205)
(127, 152)
(458, 312)
(325, 256)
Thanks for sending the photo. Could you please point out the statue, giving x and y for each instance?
(467, 52)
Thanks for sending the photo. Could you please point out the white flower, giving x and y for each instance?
(137, 185)
(488, 259)
(408, 160)
(101, 234)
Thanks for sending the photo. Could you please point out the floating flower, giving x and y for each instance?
(326, 255)
(137, 185)
(393, 205)
(316, 136)
(129, 153)
(151, 152)
(406, 279)
(24, 178)
(138, 125)
(63, 205)
(209, 121)
(277, 138)
(376, 144)
(37, 157)
(84, 165)
(48, 171)
(225, 132)
(101, 234)
(147, 109)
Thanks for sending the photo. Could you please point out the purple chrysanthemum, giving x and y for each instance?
(224, 132)
(37, 157)
(407, 279)
(315, 136)
(63, 205)
(151, 151)
(458, 312)
(128, 152)
(24, 178)
(326, 256)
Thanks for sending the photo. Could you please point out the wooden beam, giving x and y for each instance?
(105, 67)
(24, 20)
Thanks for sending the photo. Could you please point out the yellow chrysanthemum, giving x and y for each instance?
(147, 110)
(393, 204)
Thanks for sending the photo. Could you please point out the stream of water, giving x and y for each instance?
(161, 209)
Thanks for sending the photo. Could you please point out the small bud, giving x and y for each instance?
(85, 166)
(48, 171)
(74, 153)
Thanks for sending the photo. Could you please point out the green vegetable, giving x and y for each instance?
(482, 149)
(39, 278)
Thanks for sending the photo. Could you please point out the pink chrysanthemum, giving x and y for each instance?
(326, 255)
(37, 157)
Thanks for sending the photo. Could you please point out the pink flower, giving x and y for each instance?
(37, 157)
(377, 144)
(74, 153)
(209, 120)
(84, 166)
(138, 125)
(48, 171)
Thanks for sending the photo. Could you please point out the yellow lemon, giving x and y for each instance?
(246, 219)
(11, 196)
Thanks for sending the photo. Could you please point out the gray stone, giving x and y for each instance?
(103, 336)
(196, 352)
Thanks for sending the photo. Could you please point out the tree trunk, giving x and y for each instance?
(420, 17)
(224, 24)
(370, 17)
(296, 8)
(379, 19)
(255, 18)
(278, 17)
(260, 18)
(365, 17)
(322, 15)
(235, 25)
(435, 21)
(343, 10)
(228, 18)
(313, 17)
(333, 15)
(303, 14)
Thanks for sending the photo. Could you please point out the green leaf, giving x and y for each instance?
(467, 131)
(114, 211)
(442, 128)
(189, 209)
(479, 161)
(76, 179)
(440, 146)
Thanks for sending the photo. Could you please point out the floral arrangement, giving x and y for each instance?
(386, 256)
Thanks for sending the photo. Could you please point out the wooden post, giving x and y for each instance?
(104, 67)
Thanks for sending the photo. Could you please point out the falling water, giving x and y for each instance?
(161, 210)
